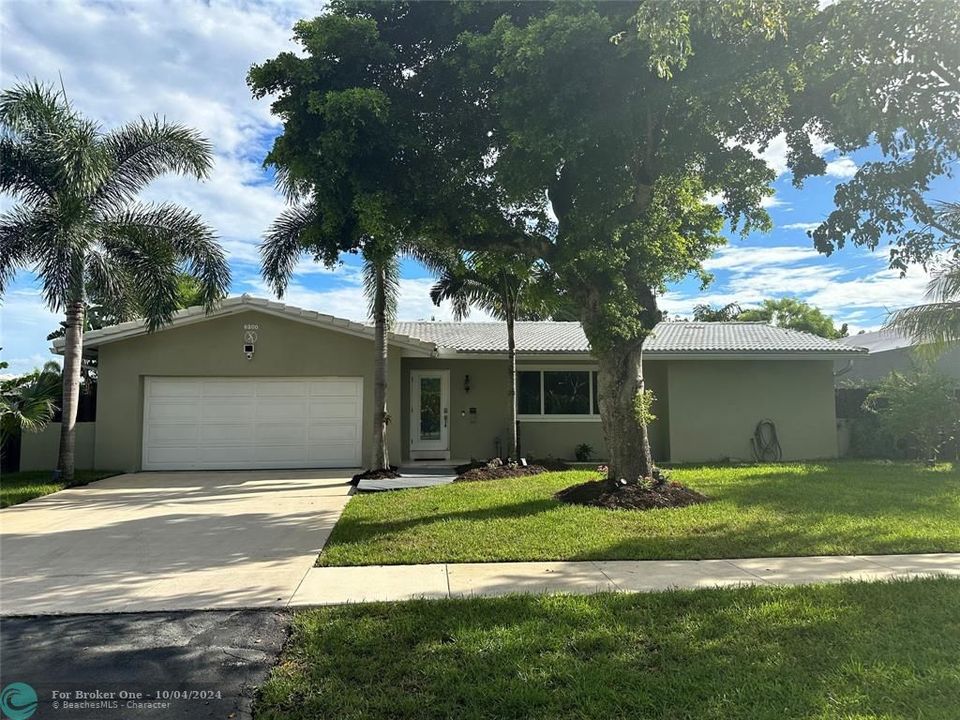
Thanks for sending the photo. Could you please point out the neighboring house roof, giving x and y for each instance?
(668, 339)
(880, 341)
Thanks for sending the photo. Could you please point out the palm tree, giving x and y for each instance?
(506, 288)
(28, 402)
(937, 323)
(295, 233)
(79, 227)
(381, 285)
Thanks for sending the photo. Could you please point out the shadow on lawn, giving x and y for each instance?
(751, 653)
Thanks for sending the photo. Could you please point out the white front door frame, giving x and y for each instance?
(431, 446)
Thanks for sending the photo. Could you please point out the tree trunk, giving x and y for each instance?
(72, 359)
(619, 379)
(512, 369)
(380, 459)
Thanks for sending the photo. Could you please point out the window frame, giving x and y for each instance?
(542, 416)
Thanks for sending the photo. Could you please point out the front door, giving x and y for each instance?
(429, 414)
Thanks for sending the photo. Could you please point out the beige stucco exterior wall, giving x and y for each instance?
(215, 348)
(489, 395)
(39, 451)
(715, 406)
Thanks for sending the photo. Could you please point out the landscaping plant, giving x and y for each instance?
(921, 407)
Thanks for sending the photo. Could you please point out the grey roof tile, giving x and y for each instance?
(667, 338)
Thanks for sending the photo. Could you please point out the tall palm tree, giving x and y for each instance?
(937, 323)
(506, 288)
(80, 228)
(295, 233)
(381, 285)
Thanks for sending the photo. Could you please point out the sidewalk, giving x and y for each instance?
(336, 585)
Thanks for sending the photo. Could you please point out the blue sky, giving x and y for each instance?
(188, 61)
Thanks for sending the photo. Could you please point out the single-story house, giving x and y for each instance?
(260, 384)
(888, 350)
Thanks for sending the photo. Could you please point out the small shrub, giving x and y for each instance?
(583, 452)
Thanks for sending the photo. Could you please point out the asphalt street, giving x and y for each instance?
(143, 665)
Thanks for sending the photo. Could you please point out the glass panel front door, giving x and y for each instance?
(430, 408)
(429, 413)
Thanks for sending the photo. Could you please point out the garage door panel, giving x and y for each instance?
(213, 410)
(332, 408)
(233, 423)
(173, 411)
(226, 433)
(281, 433)
(318, 434)
(334, 388)
(172, 433)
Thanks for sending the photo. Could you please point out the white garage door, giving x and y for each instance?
(236, 423)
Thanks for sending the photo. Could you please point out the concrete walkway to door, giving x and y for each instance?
(168, 541)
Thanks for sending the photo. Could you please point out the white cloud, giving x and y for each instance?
(843, 167)
(25, 322)
(805, 226)
(742, 259)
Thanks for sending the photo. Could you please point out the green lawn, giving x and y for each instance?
(883, 650)
(790, 509)
(19, 487)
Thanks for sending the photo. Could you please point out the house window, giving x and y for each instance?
(557, 393)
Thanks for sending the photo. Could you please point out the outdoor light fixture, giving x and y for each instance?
(466, 383)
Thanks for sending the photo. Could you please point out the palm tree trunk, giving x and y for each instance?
(72, 358)
(380, 459)
(514, 422)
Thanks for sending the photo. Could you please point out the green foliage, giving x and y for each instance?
(77, 222)
(794, 314)
(28, 402)
(583, 452)
(937, 323)
(922, 407)
(707, 313)
(643, 407)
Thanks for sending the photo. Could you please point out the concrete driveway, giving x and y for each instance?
(168, 541)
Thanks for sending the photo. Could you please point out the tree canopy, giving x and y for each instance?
(790, 313)
(587, 136)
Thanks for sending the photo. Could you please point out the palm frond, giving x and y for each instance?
(283, 244)
(165, 237)
(143, 150)
(15, 248)
(935, 324)
(33, 109)
(25, 173)
(381, 283)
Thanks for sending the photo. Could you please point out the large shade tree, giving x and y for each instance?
(587, 136)
(78, 225)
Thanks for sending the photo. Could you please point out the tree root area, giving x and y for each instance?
(599, 493)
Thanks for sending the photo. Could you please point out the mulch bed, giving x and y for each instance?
(390, 474)
(498, 473)
(598, 493)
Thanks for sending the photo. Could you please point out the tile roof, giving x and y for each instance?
(732, 337)
(667, 338)
(531, 337)
(879, 341)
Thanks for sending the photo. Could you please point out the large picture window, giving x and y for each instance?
(557, 393)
